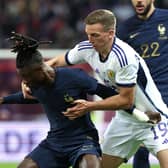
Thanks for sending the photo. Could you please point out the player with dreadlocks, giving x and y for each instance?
(69, 142)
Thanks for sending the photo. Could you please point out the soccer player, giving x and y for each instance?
(69, 142)
(147, 33)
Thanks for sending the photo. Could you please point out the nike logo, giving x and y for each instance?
(134, 35)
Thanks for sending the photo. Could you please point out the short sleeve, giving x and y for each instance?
(127, 76)
(75, 56)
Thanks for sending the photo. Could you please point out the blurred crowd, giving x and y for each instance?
(58, 20)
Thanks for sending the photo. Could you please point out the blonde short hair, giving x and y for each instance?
(102, 16)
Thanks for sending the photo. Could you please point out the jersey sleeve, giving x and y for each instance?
(74, 56)
(127, 76)
(127, 72)
(17, 98)
(105, 91)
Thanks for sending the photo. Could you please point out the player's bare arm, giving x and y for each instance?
(124, 100)
(57, 61)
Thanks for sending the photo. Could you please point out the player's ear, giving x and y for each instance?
(111, 33)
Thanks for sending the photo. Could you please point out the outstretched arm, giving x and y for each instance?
(57, 61)
(112, 101)
(104, 92)
(17, 98)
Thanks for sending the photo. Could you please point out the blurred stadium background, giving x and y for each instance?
(22, 127)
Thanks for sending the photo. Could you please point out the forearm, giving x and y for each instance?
(111, 103)
(17, 98)
(104, 92)
(57, 61)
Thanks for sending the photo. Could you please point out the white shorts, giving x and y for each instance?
(122, 137)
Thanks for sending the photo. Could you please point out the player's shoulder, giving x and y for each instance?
(84, 45)
(161, 11)
(130, 20)
(69, 71)
(127, 26)
(122, 46)
(160, 15)
(123, 52)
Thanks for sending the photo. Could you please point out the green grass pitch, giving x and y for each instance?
(14, 165)
(8, 165)
(130, 166)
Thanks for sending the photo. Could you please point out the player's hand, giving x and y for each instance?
(79, 109)
(26, 91)
(149, 116)
(154, 117)
(50, 62)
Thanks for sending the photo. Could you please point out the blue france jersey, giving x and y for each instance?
(150, 39)
(69, 84)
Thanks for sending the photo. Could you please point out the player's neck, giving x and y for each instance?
(106, 50)
(145, 17)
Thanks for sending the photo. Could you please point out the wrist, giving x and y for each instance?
(92, 105)
(141, 116)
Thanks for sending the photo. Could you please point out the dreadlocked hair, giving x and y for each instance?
(28, 57)
(26, 49)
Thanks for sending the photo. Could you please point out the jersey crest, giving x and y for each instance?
(68, 99)
(162, 31)
(110, 74)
